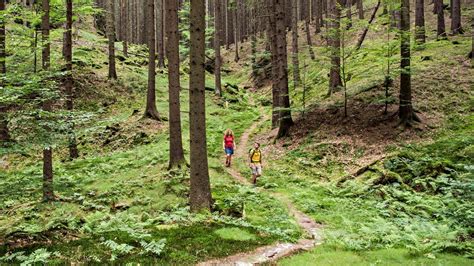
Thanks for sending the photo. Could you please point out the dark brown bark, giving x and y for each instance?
(285, 113)
(360, 9)
(308, 39)
(227, 28)
(160, 41)
(172, 52)
(69, 82)
(217, 47)
(253, 41)
(334, 42)
(48, 189)
(3, 55)
(200, 192)
(150, 109)
(420, 21)
(48, 192)
(294, 44)
(236, 34)
(111, 38)
(456, 27)
(271, 36)
(348, 13)
(405, 112)
(124, 14)
(4, 132)
(46, 51)
(318, 15)
(441, 28)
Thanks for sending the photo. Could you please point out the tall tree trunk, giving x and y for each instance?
(308, 38)
(360, 9)
(172, 52)
(160, 32)
(441, 28)
(124, 28)
(4, 132)
(348, 13)
(48, 191)
(46, 51)
(253, 40)
(236, 34)
(227, 28)
(111, 38)
(271, 36)
(324, 13)
(217, 46)
(456, 27)
(294, 44)
(282, 64)
(318, 15)
(200, 192)
(420, 21)
(150, 109)
(406, 113)
(69, 82)
(334, 42)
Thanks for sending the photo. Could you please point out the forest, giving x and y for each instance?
(237, 132)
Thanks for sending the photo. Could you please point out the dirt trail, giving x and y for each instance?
(271, 253)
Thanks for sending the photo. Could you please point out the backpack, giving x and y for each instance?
(252, 152)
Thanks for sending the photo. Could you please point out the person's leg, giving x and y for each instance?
(254, 175)
(259, 170)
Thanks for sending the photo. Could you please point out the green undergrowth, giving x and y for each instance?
(118, 202)
(417, 203)
(390, 256)
(431, 66)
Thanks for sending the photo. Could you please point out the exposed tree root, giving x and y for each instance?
(152, 114)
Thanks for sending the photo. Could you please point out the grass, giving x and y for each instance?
(407, 209)
(123, 192)
(414, 208)
(391, 256)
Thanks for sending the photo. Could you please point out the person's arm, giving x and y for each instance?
(235, 146)
(223, 144)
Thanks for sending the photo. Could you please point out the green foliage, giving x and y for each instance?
(420, 199)
(153, 247)
(235, 234)
(38, 256)
(117, 249)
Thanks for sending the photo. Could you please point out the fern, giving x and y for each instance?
(153, 247)
(117, 249)
(38, 256)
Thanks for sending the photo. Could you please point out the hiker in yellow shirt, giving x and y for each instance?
(255, 156)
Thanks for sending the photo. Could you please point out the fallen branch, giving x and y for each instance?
(361, 170)
(364, 33)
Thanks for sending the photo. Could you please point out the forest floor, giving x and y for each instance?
(376, 193)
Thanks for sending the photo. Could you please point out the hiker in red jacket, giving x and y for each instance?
(229, 146)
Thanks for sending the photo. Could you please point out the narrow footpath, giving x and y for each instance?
(271, 253)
